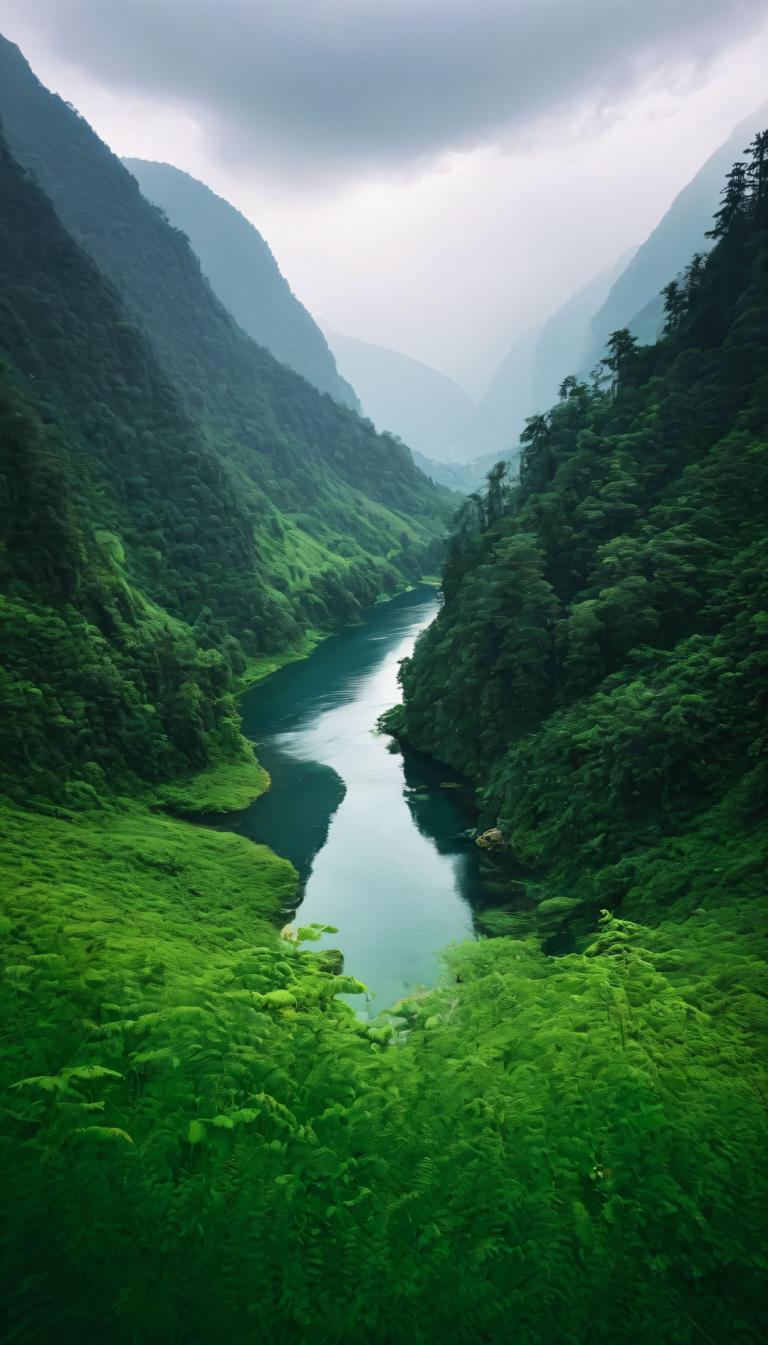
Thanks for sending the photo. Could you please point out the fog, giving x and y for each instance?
(435, 177)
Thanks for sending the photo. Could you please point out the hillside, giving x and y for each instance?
(334, 499)
(125, 553)
(421, 406)
(200, 1140)
(633, 300)
(602, 621)
(529, 375)
(244, 274)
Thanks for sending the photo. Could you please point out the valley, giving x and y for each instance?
(382, 920)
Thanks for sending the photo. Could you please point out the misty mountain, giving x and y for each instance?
(627, 294)
(244, 274)
(634, 298)
(423, 407)
(327, 497)
(465, 477)
(563, 341)
(529, 376)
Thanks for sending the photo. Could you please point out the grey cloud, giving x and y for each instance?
(344, 86)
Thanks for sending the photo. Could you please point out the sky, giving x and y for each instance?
(436, 176)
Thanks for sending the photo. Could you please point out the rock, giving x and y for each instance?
(492, 839)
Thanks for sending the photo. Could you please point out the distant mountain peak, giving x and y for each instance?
(403, 395)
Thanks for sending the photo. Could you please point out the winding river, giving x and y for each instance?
(375, 833)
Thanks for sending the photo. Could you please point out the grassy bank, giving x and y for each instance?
(224, 788)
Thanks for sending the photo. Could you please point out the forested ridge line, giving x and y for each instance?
(598, 666)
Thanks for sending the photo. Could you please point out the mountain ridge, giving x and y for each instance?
(404, 395)
(668, 248)
(330, 499)
(241, 269)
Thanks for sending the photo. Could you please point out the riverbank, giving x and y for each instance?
(226, 787)
(264, 665)
(378, 841)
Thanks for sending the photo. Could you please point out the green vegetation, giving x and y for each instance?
(199, 1141)
(330, 514)
(604, 622)
(244, 274)
(223, 788)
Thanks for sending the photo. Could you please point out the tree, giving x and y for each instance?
(757, 171)
(534, 438)
(496, 496)
(622, 349)
(735, 202)
(675, 305)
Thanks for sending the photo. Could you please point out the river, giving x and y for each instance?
(375, 833)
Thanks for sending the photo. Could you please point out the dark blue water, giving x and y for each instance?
(374, 833)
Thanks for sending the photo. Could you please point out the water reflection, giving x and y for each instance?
(378, 836)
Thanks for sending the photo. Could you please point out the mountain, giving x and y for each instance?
(200, 1140)
(119, 529)
(421, 406)
(599, 669)
(340, 513)
(244, 274)
(530, 374)
(633, 299)
(464, 477)
(627, 294)
(496, 422)
(563, 340)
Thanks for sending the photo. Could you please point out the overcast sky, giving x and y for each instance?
(432, 175)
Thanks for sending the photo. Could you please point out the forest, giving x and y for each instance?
(200, 1141)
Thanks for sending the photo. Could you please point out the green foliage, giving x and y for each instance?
(142, 576)
(199, 1141)
(282, 509)
(244, 274)
(97, 686)
(604, 621)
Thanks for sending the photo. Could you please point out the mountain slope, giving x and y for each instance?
(563, 341)
(529, 375)
(602, 623)
(402, 395)
(599, 668)
(346, 496)
(244, 274)
(200, 1141)
(667, 250)
(124, 550)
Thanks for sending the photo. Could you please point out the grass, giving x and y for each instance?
(263, 665)
(123, 894)
(224, 788)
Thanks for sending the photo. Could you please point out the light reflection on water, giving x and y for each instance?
(390, 871)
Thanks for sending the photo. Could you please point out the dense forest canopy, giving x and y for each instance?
(604, 618)
(200, 1141)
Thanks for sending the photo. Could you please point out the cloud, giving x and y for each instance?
(344, 87)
